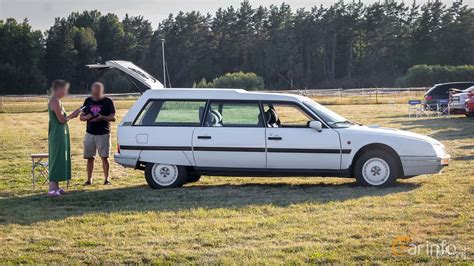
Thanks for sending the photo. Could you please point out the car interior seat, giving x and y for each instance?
(213, 119)
(272, 118)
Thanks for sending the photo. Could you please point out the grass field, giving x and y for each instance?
(235, 220)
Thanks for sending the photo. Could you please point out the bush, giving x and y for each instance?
(239, 80)
(427, 75)
(202, 84)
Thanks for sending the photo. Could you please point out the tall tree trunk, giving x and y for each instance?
(333, 57)
(349, 66)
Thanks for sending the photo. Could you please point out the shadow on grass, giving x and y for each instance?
(448, 128)
(37, 208)
(464, 158)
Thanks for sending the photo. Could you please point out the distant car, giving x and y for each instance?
(458, 101)
(177, 135)
(469, 105)
(440, 92)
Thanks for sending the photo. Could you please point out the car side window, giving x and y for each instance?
(233, 114)
(171, 113)
(285, 115)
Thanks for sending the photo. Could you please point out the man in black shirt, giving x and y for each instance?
(98, 111)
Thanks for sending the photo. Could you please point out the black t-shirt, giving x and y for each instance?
(105, 107)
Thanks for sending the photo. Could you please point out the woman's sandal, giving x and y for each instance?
(54, 193)
(87, 183)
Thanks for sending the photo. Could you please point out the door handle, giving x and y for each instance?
(204, 137)
(274, 138)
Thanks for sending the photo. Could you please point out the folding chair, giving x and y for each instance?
(415, 107)
(442, 107)
(39, 168)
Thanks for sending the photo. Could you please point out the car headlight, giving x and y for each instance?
(439, 150)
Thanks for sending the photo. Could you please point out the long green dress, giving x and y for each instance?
(59, 147)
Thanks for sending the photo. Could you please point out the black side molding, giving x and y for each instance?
(233, 149)
(290, 150)
(156, 148)
(229, 171)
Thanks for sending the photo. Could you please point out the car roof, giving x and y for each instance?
(454, 83)
(220, 94)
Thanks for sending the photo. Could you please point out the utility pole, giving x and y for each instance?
(164, 62)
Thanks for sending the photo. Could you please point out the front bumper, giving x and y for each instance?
(422, 165)
(126, 160)
(457, 108)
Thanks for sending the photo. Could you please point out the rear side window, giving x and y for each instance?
(171, 113)
(233, 114)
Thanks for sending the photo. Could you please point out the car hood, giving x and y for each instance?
(394, 133)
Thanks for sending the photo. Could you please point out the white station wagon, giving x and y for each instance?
(177, 135)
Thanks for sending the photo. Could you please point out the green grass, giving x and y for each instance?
(234, 219)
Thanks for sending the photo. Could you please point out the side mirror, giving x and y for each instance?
(316, 125)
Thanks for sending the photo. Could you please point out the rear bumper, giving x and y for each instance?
(126, 160)
(422, 165)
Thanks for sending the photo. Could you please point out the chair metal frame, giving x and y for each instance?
(40, 164)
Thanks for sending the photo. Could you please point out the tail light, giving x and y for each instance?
(428, 97)
(118, 147)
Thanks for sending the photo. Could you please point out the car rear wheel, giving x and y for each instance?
(376, 168)
(165, 175)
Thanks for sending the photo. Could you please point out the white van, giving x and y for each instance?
(177, 135)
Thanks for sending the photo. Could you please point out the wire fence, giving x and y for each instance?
(37, 103)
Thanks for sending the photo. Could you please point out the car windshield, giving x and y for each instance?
(330, 117)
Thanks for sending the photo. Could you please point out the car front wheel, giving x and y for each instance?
(165, 175)
(376, 168)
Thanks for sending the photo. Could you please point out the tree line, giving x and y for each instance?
(343, 45)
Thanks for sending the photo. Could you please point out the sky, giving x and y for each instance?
(41, 13)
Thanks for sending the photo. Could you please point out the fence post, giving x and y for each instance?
(1, 104)
(376, 95)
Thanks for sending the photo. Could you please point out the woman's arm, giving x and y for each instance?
(56, 107)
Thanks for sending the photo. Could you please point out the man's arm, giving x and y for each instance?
(111, 117)
(108, 118)
(84, 116)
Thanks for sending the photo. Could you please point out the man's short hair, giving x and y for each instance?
(58, 84)
(100, 84)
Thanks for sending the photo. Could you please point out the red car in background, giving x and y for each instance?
(470, 104)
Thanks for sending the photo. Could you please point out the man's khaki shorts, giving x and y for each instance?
(93, 143)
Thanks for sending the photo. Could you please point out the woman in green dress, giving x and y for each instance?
(58, 138)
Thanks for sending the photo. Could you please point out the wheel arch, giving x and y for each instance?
(377, 146)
